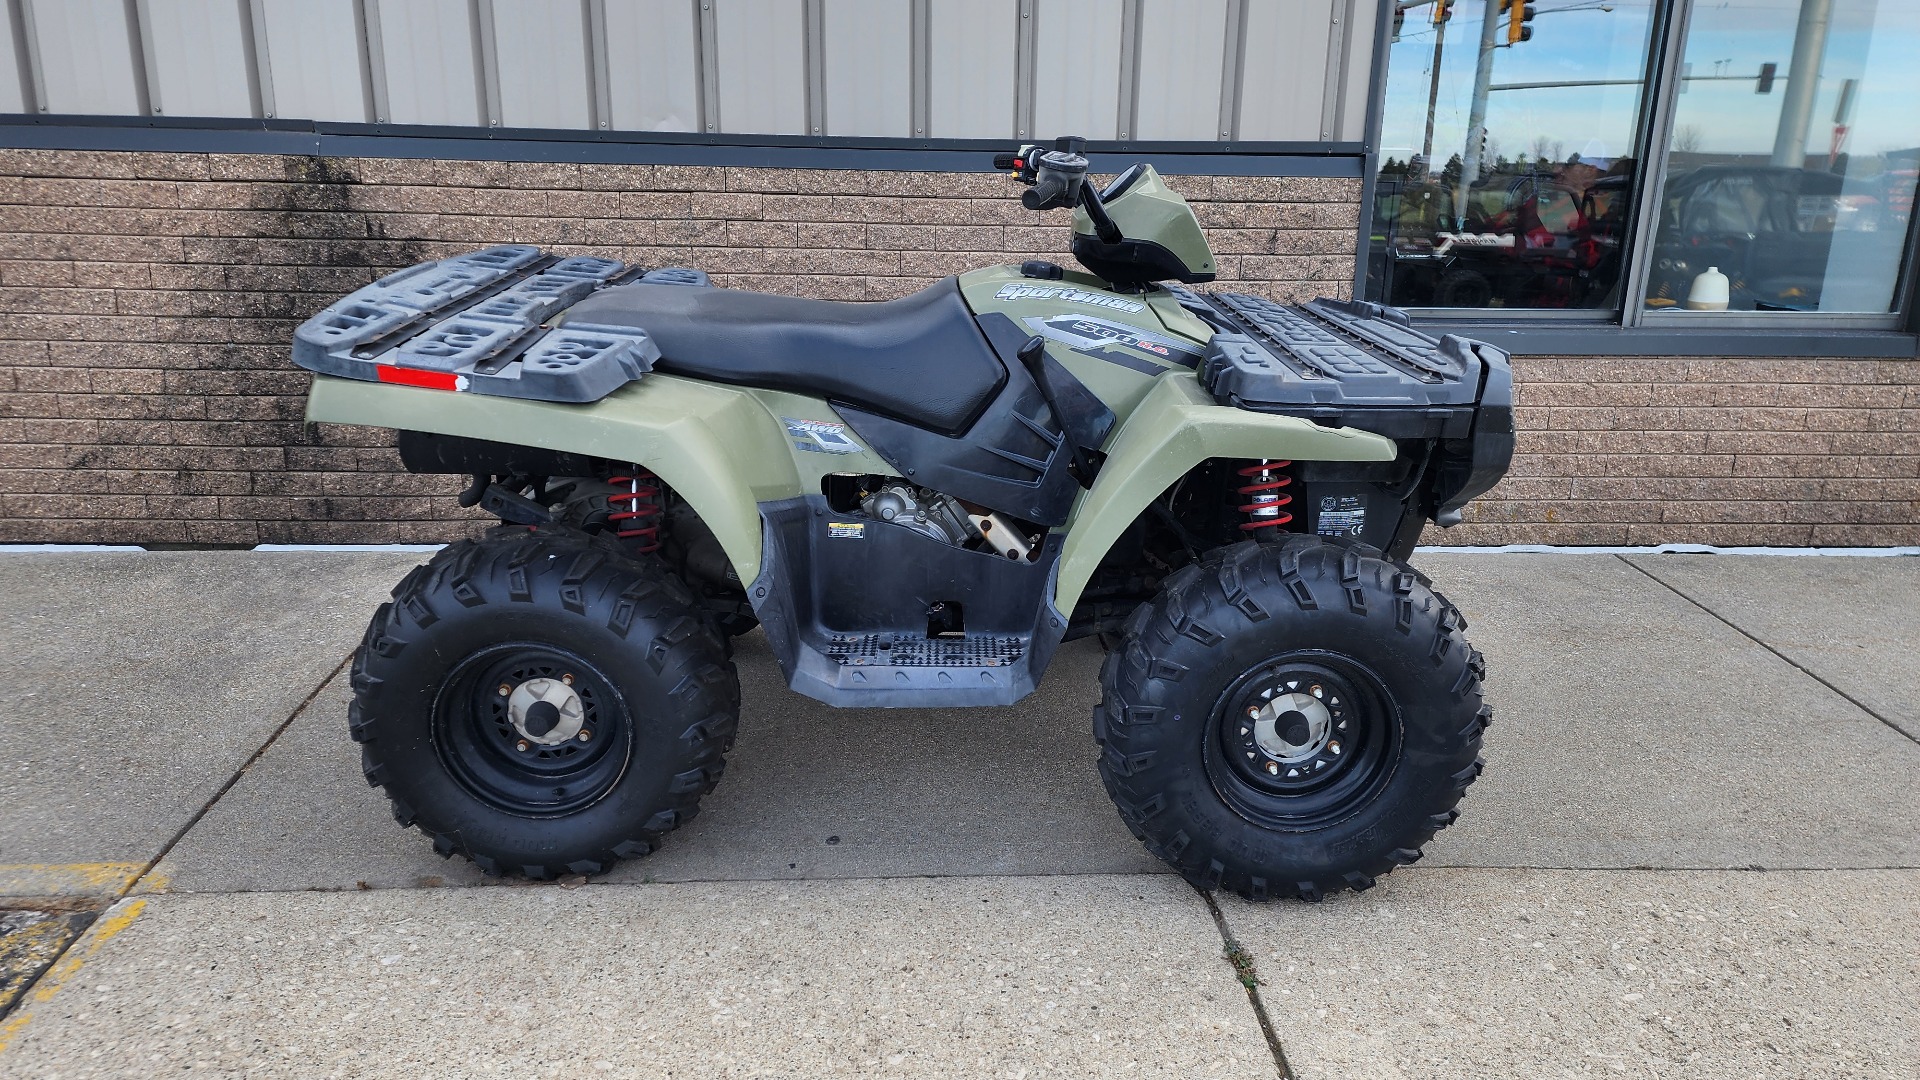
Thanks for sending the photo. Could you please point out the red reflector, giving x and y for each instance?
(432, 380)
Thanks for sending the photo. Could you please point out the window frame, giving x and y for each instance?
(1666, 57)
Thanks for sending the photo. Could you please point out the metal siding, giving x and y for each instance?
(431, 78)
(199, 57)
(971, 70)
(653, 65)
(1076, 87)
(1182, 44)
(314, 60)
(86, 57)
(762, 60)
(545, 79)
(11, 77)
(869, 68)
(1283, 81)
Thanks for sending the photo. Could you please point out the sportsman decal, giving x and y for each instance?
(1067, 293)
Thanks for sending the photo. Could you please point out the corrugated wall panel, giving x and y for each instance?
(431, 77)
(653, 66)
(200, 57)
(972, 69)
(763, 76)
(1183, 43)
(546, 78)
(1283, 76)
(87, 57)
(1076, 87)
(13, 87)
(869, 67)
(314, 60)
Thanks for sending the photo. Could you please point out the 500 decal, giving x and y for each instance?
(1062, 292)
(1098, 337)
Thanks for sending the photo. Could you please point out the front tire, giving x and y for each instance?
(1291, 719)
(542, 704)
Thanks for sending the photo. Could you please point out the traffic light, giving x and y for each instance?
(1442, 11)
(1519, 21)
(1764, 85)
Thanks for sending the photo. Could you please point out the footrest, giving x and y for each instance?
(481, 323)
(905, 650)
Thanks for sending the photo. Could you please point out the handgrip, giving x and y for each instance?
(1046, 193)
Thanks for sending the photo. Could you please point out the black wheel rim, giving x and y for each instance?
(1302, 741)
(537, 762)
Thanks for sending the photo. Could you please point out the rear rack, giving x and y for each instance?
(483, 322)
(1348, 364)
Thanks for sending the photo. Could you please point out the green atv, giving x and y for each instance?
(918, 501)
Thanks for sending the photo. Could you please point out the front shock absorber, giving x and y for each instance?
(1263, 491)
(638, 521)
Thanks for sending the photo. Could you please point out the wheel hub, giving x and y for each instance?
(546, 711)
(1291, 727)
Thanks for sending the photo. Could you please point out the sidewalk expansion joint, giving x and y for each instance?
(1791, 662)
(43, 982)
(1244, 971)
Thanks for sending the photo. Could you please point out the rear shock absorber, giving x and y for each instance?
(642, 506)
(1263, 491)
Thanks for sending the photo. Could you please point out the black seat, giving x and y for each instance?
(920, 358)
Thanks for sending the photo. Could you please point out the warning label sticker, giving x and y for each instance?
(1342, 515)
(846, 530)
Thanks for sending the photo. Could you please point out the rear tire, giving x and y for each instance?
(1291, 719)
(542, 704)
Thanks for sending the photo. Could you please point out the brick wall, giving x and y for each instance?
(146, 302)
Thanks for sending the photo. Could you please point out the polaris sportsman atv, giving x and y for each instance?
(918, 501)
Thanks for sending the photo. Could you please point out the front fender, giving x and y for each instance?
(1175, 427)
(718, 447)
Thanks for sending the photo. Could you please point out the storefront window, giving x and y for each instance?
(1511, 138)
(1793, 157)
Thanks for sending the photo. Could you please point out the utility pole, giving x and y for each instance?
(1803, 81)
(1477, 117)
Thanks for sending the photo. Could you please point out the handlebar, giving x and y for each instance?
(1057, 178)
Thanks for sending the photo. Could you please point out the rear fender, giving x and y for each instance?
(1174, 428)
(718, 447)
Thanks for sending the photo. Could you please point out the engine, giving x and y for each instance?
(944, 518)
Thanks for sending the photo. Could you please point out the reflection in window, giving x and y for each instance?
(1507, 164)
(1793, 157)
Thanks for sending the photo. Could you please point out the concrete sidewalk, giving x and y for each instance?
(1695, 853)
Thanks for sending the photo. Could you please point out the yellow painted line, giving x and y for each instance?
(101, 932)
(68, 879)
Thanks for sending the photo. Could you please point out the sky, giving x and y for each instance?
(1876, 42)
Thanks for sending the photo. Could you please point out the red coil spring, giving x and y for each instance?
(1265, 499)
(642, 499)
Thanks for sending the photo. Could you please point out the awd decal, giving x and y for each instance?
(819, 436)
(1104, 340)
(1062, 292)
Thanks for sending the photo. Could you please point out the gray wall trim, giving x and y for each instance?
(486, 61)
(1370, 168)
(707, 27)
(1025, 39)
(1543, 340)
(146, 78)
(666, 148)
(1128, 117)
(920, 67)
(1335, 86)
(253, 27)
(1233, 59)
(373, 59)
(597, 61)
(813, 16)
(26, 55)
